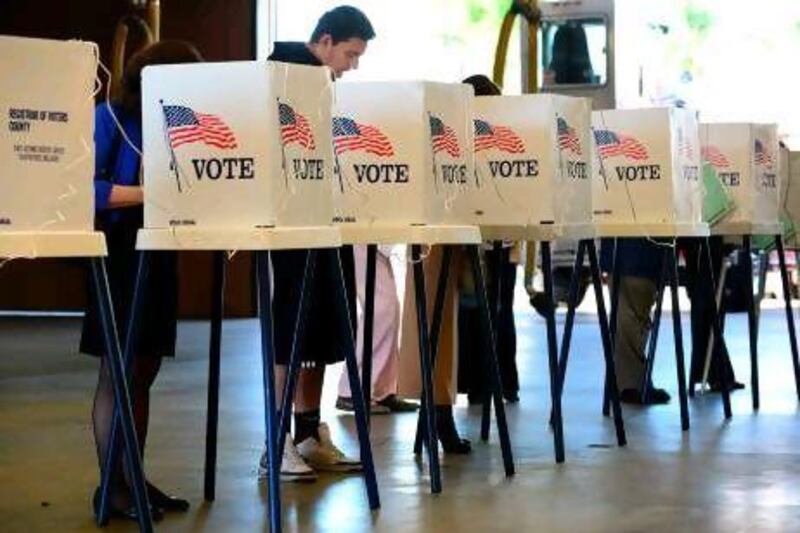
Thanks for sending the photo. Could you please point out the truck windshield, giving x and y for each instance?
(573, 52)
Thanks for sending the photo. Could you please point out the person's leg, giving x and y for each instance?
(636, 298)
(102, 417)
(444, 387)
(387, 326)
(360, 256)
(307, 401)
(506, 330)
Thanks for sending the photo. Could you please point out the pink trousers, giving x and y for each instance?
(386, 327)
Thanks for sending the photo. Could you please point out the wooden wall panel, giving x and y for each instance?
(222, 30)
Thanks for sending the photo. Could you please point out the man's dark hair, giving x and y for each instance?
(343, 23)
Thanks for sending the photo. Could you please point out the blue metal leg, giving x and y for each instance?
(787, 298)
(705, 251)
(493, 368)
(298, 341)
(608, 350)
(268, 376)
(678, 330)
(427, 370)
(343, 316)
(751, 323)
(555, 389)
(369, 322)
(647, 375)
(121, 394)
(494, 302)
(214, 353)
(436, 326)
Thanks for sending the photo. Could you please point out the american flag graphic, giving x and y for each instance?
(763, 157)
(567, 138)
(295, 128)
(443, 138)
(714, 157)
(610, 144)
(488, 136)
(349, 136)
(186, 126)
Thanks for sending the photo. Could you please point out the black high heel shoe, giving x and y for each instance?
(452, 443)
(165, 501)
(129, 513)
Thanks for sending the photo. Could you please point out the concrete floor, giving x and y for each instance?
(738, 476)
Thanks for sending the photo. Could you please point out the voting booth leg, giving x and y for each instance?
(268, 376)
(616, 270)
(751, 322)
(298, 342)
(426, 366)
(359, 403)
(112, 454)
(678, 331)
(121, 394)
(490, 349)
(652, 345)
(719, 308)
(552, 349)
(496, 258)
(436, 327)
(608, 350)
(369, 322)
(566, 338)
(716, 328)
(787, 298)
(214, 352)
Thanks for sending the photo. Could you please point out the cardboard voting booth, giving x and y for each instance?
(403, 152)
(531, 162)
(46, 142)
(790, 185)
(237, 145)
(746, 159)
(646, 173)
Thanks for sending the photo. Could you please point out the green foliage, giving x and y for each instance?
(698, 19)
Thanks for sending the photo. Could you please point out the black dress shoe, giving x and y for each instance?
(654, 397)
(452, 443)
(128, 513)
(717, 387)
(511, 396)
(398, 405)
(164, 501)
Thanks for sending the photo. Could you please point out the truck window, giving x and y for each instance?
(573, 52)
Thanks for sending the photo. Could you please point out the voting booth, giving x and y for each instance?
(531, 163)
(746, 159)
(47, 192)
(790, 187)
(646, 173)
(47, 148)
(237, 145)
(403, 152)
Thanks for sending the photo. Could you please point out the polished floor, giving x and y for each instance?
(743, 475)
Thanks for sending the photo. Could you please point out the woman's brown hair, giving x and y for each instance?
(483, 85)
(160, 53)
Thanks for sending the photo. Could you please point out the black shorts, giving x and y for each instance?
(323, 343)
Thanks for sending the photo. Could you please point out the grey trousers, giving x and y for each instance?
(636, 299)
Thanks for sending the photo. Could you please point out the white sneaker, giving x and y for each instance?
(323, 455)
(293, 467)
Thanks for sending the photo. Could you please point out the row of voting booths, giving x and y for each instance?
(268, 156)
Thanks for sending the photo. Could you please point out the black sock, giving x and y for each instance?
(306, 424)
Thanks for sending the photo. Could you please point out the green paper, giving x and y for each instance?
(716, 202)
